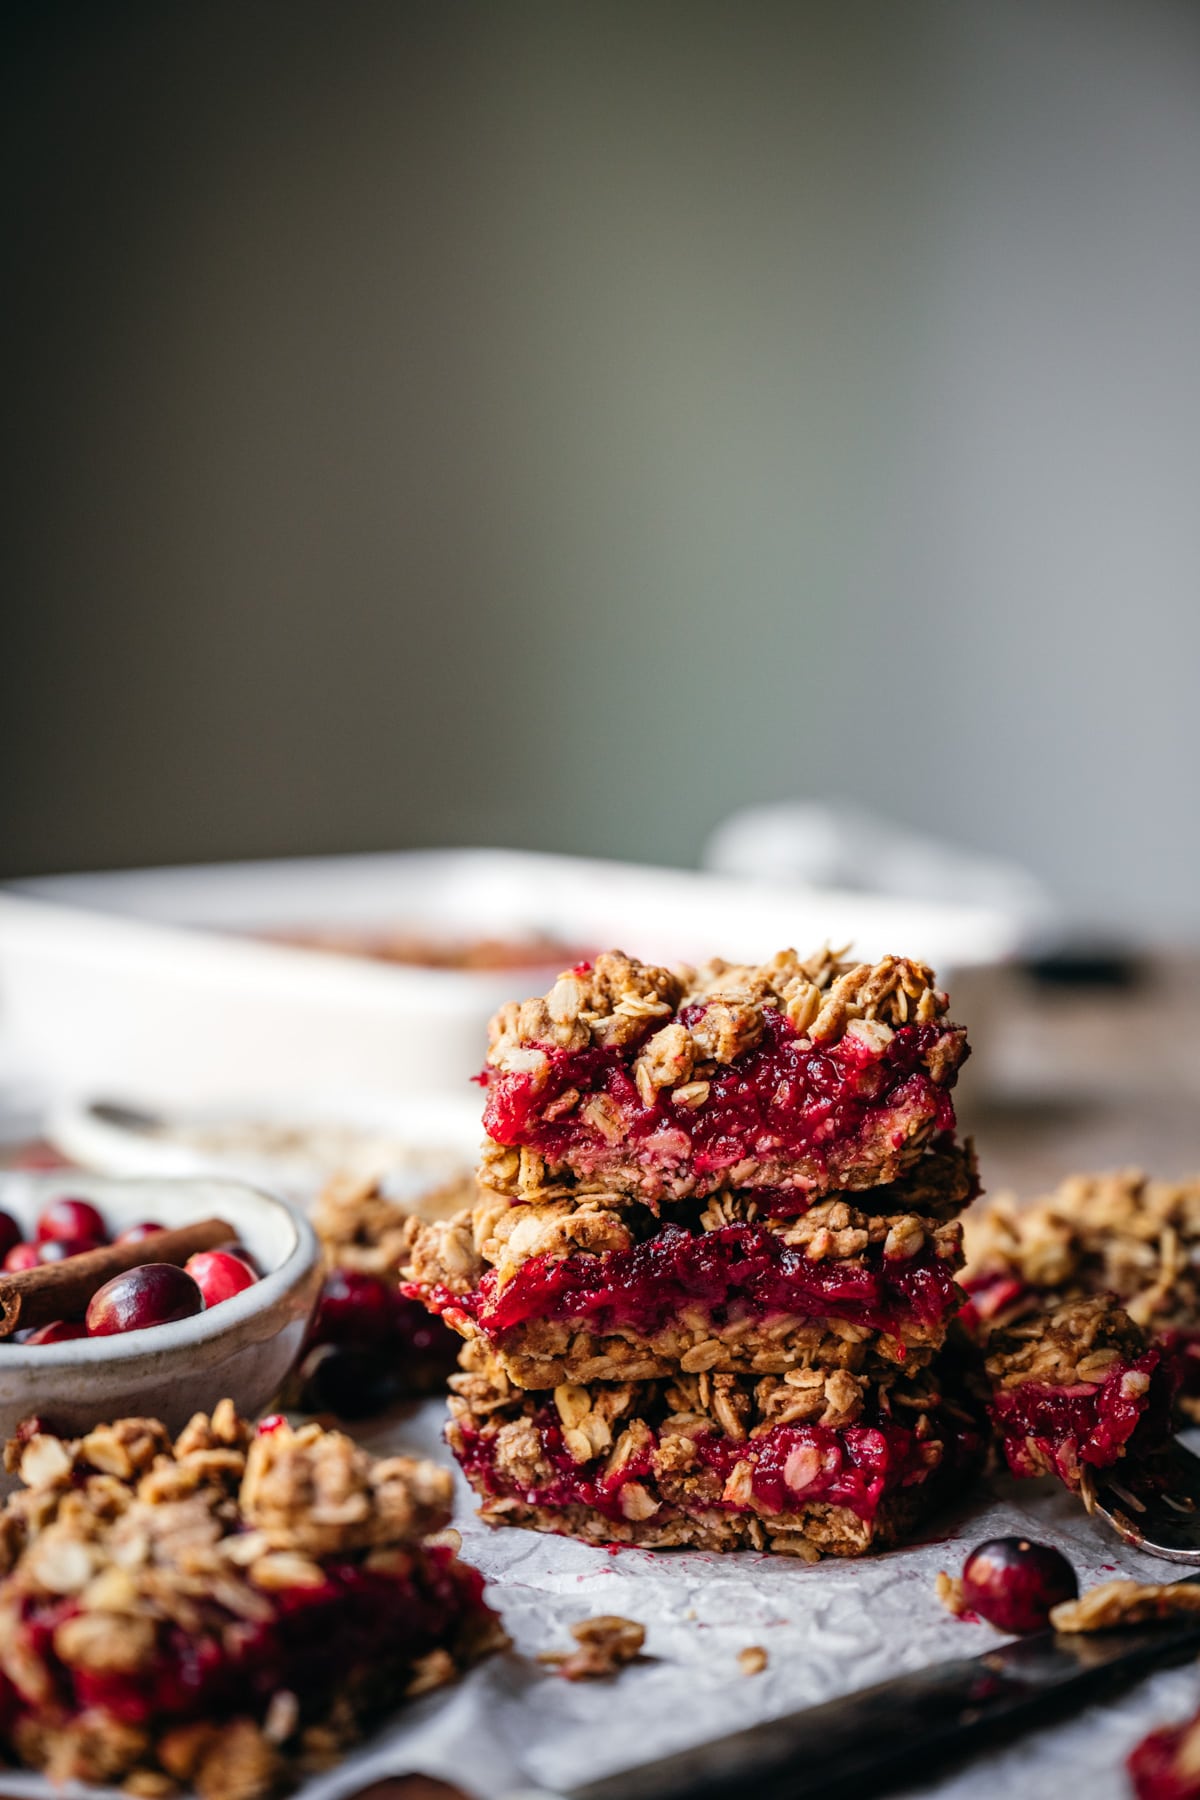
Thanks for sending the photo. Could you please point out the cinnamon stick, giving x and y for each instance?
(61, 1290)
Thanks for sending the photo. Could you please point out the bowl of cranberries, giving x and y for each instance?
(165, 1337)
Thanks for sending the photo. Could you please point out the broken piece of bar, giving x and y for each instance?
(816, 1461)
(1119, 1233)
(797, 1078)
(1076, 1387)
(225, 1611)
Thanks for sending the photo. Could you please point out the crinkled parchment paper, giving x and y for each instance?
(827, 1628)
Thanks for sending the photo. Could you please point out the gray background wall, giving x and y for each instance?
(559, 425)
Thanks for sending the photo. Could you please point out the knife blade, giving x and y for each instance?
(866, 1742)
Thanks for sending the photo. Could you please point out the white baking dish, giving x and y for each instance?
(136, 984)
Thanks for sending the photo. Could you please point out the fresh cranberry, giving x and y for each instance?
(1013, 1583)
(154, 1294)
(22, 1256)
(58, 1249)
(59, 1331)
(272, 1423)
(218, 1275)
(354, 1309)
(71, 1219)
(10, 1234)
(137, 1234)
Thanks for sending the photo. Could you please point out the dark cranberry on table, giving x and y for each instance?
(153, 1294)
(369, 1346)
(1014, 1583)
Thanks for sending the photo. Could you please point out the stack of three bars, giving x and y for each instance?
(711, 1270)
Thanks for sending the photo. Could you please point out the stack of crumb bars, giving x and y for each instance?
(708, 1280)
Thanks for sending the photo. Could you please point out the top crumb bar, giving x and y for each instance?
(797, 1077)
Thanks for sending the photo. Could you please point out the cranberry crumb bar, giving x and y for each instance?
(1119, 1233)
(584, 1292)
(1073, 1387)
(799, 1078)
(813, 1461)
(222, 1612)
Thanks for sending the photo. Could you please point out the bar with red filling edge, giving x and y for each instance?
(200, 1613)
(800, 1077)
(734, 1297)
(718, 1463)
(1076, 1387)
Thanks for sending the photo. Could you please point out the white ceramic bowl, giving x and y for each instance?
(242, 1348)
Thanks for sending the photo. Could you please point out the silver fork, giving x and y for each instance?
(1152, 1502)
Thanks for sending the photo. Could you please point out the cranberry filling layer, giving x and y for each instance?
(317, 1639)
(736, 1273)
(1087, 1423)
(783, 1100)
(792, 1466)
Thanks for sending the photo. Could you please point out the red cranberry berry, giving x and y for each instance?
(354, 1308)
(22, 1256)
(1013, 1583)
(58, 1249)
(59, 1331)
(272, 1423)
(10, 1234)
(218, 1275)
(137, 1234)
(71, 1219)
(154, 1294)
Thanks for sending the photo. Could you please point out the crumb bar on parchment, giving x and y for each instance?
(1075, 1386)
(221, 1613)
(566, 1292)
(812, 1462)
(1119, 1233)
(802, 1077)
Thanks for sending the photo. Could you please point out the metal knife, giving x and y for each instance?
(905, 1729)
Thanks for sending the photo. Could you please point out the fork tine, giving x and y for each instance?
(1161, 1492)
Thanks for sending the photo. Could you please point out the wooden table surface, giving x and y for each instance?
(1069, 1079)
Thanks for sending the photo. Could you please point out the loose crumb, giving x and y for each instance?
(950, 1593)
(1114, 1604)
(752, 1660)
(604, 1646)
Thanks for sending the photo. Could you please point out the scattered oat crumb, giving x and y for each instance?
(1116, 1603)
(605, 1645)
(950, 1593)
(752, 1660)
